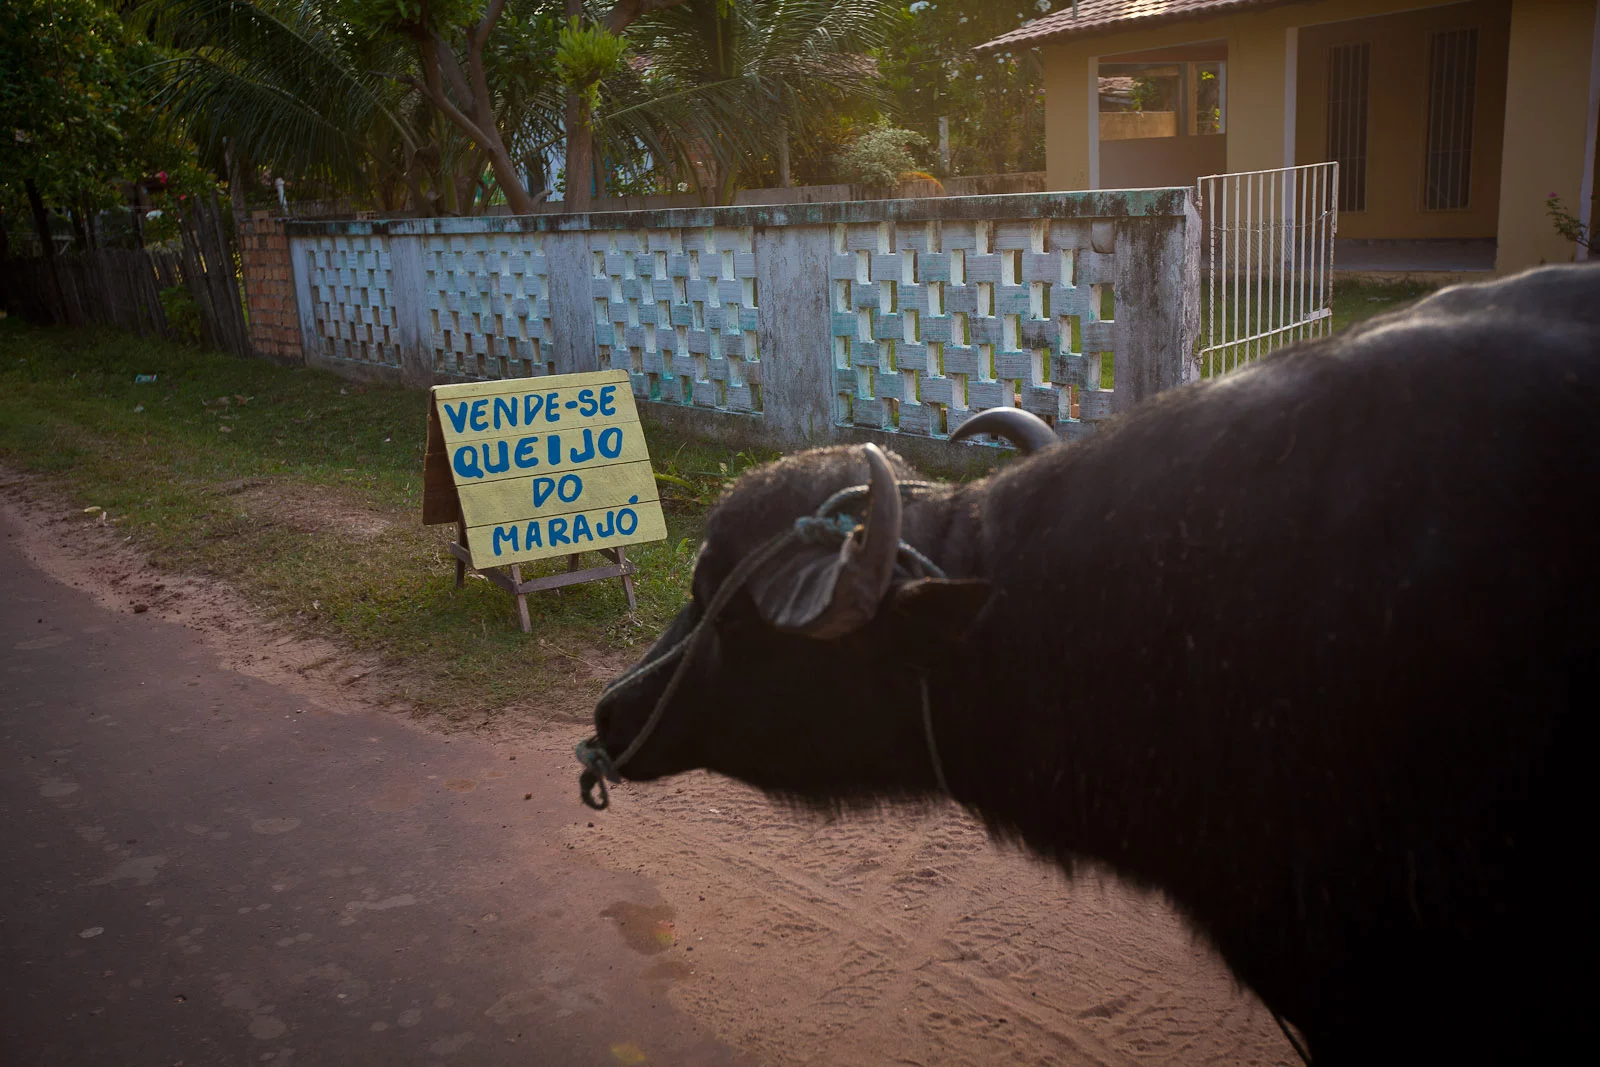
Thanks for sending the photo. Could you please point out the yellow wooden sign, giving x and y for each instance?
(537, 467)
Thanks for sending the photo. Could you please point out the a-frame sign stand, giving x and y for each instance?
(581, 476)
(509, 578)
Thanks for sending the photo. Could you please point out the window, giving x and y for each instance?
(1168, 99)
(1347, 121)
(1452, 85)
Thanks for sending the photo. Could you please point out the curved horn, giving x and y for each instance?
(880, 545)
(831, 594)
(1027, 431)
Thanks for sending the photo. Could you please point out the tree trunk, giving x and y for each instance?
(41, 226)
(783, 158)
(505, 172)
(80, 236)
(580, 154)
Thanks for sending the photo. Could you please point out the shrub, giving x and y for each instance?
(879, 156)
(183, 314)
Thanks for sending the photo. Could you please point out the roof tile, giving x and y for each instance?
(1103, 16)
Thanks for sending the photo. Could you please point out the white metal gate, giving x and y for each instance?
(1268, 241)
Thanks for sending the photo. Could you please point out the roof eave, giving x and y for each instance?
(1017, 40)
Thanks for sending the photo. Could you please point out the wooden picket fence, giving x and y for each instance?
(122, 287)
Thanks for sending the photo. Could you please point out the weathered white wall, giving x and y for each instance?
(809, 322)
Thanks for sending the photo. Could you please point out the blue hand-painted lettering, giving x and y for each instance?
(501, 535)
(587, 453)
(458, 416)
(479, 419)
(466, 462)
(524, 457)
(505, 458)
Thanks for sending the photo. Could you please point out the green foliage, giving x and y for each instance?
(585, 55)
(1569, 225)
(880, 155)
(1146, 94)
(389, 15)
(183, 314)
(995, 103)
(751, 74)
(76, 122)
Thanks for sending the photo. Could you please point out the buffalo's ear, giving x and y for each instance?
(827, 593)
(949, 606)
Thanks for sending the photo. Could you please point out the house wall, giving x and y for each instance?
(1259, 68)
(1553, 86)
(1552, 93)
(1148, 162)
(1397, 107)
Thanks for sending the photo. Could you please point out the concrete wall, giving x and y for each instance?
(1553, 93)
(801, 324)
(1397, 132)
(1131, 125)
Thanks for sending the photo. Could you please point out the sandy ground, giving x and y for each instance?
(905, 938)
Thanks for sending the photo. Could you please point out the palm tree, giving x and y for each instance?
(287, 86)
(777, 65)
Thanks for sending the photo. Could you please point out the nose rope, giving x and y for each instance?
(927, 730)
(828, 526)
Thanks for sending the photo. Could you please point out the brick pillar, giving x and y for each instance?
(269, 288)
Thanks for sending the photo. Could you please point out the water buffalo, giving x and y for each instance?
(1305, 648)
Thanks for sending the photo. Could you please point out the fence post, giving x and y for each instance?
(412, 320)
(571, 299)
(1156, 304)
(793, 330)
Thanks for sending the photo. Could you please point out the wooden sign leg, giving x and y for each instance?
(461, 564)
(522, 598)
(627, 579)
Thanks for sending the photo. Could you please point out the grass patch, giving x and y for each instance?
(303, 490)
(1352, 302)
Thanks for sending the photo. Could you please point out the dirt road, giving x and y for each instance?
(321, 882)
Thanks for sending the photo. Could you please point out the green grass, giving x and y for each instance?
(195, 467)
(167, 461)
(1352, 302)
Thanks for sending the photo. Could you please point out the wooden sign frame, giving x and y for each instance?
(441, 498)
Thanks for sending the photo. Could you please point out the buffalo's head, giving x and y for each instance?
(805, 681)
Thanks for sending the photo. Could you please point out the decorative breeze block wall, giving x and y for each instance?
(676, 308)
(935, 321)
(488, 305)
(353, 299)
(819, 320)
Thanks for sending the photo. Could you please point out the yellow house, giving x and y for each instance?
(1452, 122)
